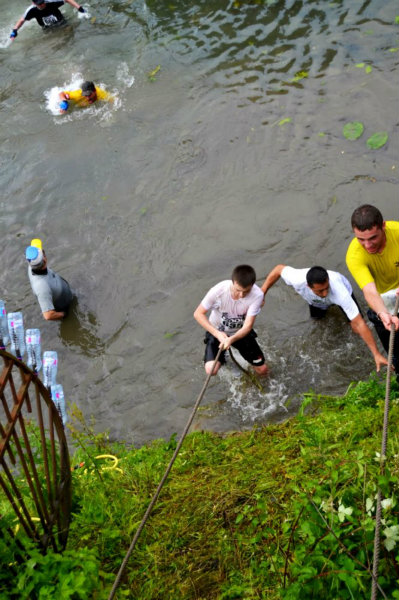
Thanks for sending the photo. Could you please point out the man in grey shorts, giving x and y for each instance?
(52, 291)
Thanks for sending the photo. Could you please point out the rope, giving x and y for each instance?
(383, 458)
(165, 475)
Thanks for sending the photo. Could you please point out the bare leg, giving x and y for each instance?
(262, 371)
(209, 367)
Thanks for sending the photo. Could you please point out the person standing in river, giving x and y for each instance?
(322, 289)
(373, 260)
(47, 14)
(52, 290)
(234, 305)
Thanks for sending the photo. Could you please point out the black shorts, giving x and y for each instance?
(320, 313)
(248, 347)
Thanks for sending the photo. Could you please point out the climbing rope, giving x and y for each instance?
(383, 458)
(159, 488)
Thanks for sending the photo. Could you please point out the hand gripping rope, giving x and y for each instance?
(383, 459)
(164, 477)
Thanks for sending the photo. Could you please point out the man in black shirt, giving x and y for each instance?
(46, 13)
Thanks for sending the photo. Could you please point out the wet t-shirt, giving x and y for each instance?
(340, 292)
(228, 315)
(52, 291)
(49, 16)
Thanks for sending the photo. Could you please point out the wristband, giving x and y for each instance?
(81, 9)
(64, 105)
(14, 33)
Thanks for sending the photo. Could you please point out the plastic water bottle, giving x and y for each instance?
(16, 331)
(34, 350)
(4, 337)
(50, 365)
(57, 396)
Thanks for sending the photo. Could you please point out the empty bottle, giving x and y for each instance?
(16, 331)
(50, 365)
(57, 396)
(4, 337)
(34, 350)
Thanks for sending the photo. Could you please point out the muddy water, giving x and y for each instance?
(231, 152)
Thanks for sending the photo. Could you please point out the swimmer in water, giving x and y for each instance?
(46, 13)
(87, 94)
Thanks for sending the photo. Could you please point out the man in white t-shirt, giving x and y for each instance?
(234, 305)
(322, 289)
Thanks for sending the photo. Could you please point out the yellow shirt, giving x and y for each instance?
(382, 269)
(77, 97)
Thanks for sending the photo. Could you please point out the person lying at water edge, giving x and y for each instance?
(87, 94)
(322, 289)
(46, 13)
(373, 260)
(234, 305)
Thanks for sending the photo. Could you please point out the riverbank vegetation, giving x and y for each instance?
(283, 511)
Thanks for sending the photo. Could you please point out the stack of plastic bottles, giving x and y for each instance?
(12, 329)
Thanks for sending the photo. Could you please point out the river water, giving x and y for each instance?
(230, 152)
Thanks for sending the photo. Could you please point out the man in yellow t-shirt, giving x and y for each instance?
(87, 94)
(373, 260)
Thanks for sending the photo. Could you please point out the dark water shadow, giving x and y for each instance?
(78, 330)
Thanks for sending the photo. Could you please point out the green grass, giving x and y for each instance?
(283, 511)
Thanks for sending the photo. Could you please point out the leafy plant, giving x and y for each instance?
(353, 130)
(377, 140)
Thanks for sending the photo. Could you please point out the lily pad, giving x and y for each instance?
(377, 140)
(353, 130)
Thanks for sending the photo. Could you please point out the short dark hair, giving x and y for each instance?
(88, 88)
(316, 275)
(366, 217)
(244, 275)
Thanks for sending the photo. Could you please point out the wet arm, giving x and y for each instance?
(271, 279)
(201, 318)
(376, 303)
(53, 315)
(63, 96)
(19, 24)
(359, 326)
(74, 4)
(241, 333)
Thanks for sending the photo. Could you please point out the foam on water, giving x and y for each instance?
(250, 403)
(85, 15)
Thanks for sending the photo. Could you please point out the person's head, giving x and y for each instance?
(369, 228)
(243, 278)
(36, 258)
(317, 280)
(89, 91)
(39, 3)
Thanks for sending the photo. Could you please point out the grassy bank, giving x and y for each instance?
(284, 511)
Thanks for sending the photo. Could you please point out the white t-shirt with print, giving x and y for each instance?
(228, 315)
(340, 292)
